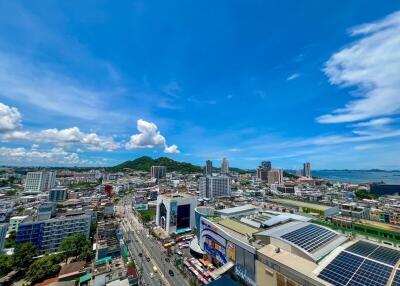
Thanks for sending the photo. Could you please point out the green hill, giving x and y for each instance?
(144, 164)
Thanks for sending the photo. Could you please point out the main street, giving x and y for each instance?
(142, 242)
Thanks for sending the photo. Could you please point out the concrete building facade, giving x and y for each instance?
(175, 213)
(158, 172)
(36, 182)
(214, 186)
(48, 234)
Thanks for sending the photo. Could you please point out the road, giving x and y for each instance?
(145, 269)
(150, 247)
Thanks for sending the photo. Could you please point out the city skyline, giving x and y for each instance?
(95, 85)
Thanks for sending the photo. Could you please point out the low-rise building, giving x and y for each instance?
(310, 208)
(175, 212)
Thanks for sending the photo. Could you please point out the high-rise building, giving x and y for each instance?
(40, 181)
(225, 166)
(158, 172)
(48, 234)
(275, 176)
(58, 194)
(212, 187)
(208, 168)
(266, 164)
(262, 171)
(307, 170)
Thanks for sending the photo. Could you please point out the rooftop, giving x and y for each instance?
(237, 210)
(301, 204)
(237, 226)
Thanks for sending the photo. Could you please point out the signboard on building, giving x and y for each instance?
(231, 251)
(141, 207)
(173, 212)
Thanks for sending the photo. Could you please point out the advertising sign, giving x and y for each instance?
(141, 207)
(173, 213)
(231, 251)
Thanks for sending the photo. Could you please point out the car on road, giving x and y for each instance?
(167, 259)
(179, 252)
(140, 254)
(147, 259)
(171, 273)
(151, 275)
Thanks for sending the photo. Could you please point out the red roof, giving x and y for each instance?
(132, 271)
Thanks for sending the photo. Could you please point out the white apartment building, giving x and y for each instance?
(40, 181)
(213, 187)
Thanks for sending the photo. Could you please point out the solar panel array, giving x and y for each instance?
(341, 269)
(310, 237)
(396, 279)
(362, 264)
(371, 273)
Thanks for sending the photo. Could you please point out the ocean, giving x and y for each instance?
(359, 176)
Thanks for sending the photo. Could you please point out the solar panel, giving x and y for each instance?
(396, 279)
(362, 248)
(385, 255)
(310, 237)
(341, 269)
(371, 273)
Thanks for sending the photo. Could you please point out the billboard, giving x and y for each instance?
(231, 251)
(141, 207)
(173, 211)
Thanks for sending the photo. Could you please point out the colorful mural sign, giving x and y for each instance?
(173, 212)
(231, 251)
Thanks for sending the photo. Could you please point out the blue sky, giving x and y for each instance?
(98, 83)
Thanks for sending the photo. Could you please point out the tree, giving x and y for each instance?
(23, 255)
(10, 241)
(5, 264)
(364, 194)
(76, 246)
(43, 268)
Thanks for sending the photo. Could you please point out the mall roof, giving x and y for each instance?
(301, 204)
(237, 210)
(313, 240)
(284, 218)
(237, 226)
(361, 262)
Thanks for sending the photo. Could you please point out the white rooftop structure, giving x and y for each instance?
(240, 210)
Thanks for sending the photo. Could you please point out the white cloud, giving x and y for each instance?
(10, 123)
(54, 156)
(293, 76)
(372, 65)
(375, 122)
(149, 137)
(362, 137)
(10, 118)
(75, 136)
(173, 149)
